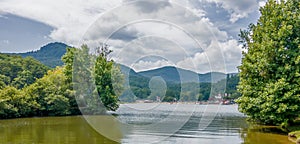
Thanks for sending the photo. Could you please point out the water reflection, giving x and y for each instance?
(50, 130)
(255, 134)
(228, 127)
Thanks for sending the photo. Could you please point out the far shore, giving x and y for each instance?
(199, 103)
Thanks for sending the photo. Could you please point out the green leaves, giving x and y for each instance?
(108, 79)
(269, 77)
(96, 79)
(19, 72)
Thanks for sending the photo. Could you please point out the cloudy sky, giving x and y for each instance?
(199, 35)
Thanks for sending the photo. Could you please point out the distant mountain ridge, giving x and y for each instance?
(177, 75)
(50, 54)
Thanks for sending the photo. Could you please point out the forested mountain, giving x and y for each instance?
(137, 83)
(177, 75)
(194, 86)
(50, 54)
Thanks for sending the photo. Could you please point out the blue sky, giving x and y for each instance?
(20, 34)
(199, 35)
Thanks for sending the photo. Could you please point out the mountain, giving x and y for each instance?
(138, 84)
(177, 75)
(50, 54)
(173, 74)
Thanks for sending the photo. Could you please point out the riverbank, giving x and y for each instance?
(295, 136)
(294, 131)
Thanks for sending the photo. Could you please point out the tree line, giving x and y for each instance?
(28, 88)
(139, 89)
(88, 83)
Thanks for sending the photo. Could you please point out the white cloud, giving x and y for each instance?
(262, 3)
(147, 65)
(178, 32)
(219, 56)
(237, 8)
(69, 18)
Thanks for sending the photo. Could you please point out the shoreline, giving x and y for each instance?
(294, 136)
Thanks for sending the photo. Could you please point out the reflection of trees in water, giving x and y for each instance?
(50, 130)
(257, 134)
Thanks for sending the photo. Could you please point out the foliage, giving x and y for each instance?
(108, 79)
(89, 73)
(25, 96)
(13, 103)
(231, 83)
(20, 72)
(50, 92)
(68, 60)
(270, 70)
(85, 81)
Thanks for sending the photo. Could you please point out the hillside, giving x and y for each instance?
(50, 54)
(137, 86)
(173, 74)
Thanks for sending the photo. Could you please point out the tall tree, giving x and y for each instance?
(108, 78)
(95, 78)
(270, 70)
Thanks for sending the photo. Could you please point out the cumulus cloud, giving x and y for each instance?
(174, 29)
(219, 56)
(237, 8)
(69, 18)
(149, 46)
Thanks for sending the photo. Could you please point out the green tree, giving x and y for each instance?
(4, 81)
(49, 93)
(68, 60)
(20, 71)
(23, 79)
(13, 103)
(270, 70)
(95, 79)
(108, 78)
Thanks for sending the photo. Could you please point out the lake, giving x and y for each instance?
(144, 123)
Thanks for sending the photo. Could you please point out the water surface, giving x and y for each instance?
(204, 125)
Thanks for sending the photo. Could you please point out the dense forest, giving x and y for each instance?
(29, 88)
(20, 72)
